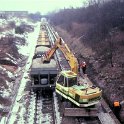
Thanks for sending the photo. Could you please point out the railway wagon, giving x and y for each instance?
(43, 38)
(43, 75)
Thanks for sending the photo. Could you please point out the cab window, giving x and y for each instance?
(66, 82)
(72, 81)
(61, 80)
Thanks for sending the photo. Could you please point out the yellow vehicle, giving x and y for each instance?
(67, 85)
(81, 95)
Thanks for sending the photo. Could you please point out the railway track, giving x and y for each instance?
(61, 60)
(45, 109)
(63, 64)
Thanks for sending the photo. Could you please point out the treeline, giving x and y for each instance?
(35, 16)
(103, 17)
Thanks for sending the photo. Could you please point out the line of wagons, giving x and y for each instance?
(43, 75)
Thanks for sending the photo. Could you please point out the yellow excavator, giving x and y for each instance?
(67, 53)
(68, 82)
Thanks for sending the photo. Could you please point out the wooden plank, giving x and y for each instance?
(81, 112)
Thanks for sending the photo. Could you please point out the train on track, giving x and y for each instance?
(51, 74)
(43, 75)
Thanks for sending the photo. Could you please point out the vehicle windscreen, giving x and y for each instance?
(72, 81)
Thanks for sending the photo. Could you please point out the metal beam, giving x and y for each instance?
(42, 86)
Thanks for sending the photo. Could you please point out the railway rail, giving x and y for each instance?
(103, 117)
(45, 106)
(46, 109)
(61, 60)
(43, 109)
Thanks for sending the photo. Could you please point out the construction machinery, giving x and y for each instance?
(68, 84)
(67, 53)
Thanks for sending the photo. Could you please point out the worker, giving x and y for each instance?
(78, 65)
(83, 67)
(117, 108)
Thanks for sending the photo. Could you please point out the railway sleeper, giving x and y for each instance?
(80, 112)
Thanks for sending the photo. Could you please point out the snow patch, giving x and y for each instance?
(17, 106)
(11, 56)
(23, 50)
(10, 60)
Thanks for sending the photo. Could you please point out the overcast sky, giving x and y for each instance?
(43, 6)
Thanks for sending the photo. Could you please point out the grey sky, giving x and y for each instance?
(43, 6)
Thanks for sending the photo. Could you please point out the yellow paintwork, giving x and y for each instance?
(89, 93)
(84, 99)
(72, 60)
(93, 92)
(69, 74)
(83, 94)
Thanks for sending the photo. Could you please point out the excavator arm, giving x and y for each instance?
(72, 60)
(47, 56)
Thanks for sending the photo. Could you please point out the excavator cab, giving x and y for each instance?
(65, 81)
(81, 95)
(67, 78)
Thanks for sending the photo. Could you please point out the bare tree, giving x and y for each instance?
(111, 46)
